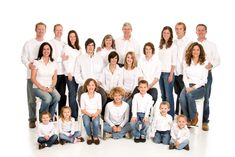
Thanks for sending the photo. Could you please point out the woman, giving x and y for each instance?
(44, 77)
(195, 79)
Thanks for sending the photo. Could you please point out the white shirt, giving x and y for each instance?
(104, 54)
(91, 105)
(44, 130)
(69, 64)
(168, 57)
(141, 104)
(150, 69)
(57, 47)
(182, 45)
(180, 134)
(161, 123)
(123, 46)
(30, 53)
(130, 79)
(196, 74)
(44, 72)
(67, 128)
(109, 80)
(88, 67)
(116, 115)
(212, 55)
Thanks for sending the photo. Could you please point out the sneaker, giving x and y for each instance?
(41, 146)
(186, 147)
(205, 127)
(128, 135)
(89, 140)
(142, 139)
(189, 123)
(172, 146)
(62, 142)
(96, 140)
(32, 124)
(107, 135)
(194, 120)
(136, 139)
(56, 142)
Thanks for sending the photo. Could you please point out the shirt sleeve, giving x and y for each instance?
(106, 115)
(24, 56)
(78, 72)
(126, 118)
(134, 106)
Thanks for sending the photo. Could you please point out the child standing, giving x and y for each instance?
(141, 105)
(67, 132)
(46, 132)
(161, 124)
(91, 106)
(117, 115)
(180, 134)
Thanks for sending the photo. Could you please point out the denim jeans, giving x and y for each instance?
(49, 100)
(31, 101)
(138, 131)
(187, 101)
(178, 87)
(61, 88)
(117, 135)
(162, 137)
(206, 110)
(71, 138)
(182, 144)
(49, 142)
(88, 121)
(73, 87)
(167, 91)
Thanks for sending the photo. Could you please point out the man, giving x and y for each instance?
(29, 53)
(213, 59)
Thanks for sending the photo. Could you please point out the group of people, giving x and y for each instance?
(108, 81)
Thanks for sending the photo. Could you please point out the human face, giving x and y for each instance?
(196, 51)
(148, 51)
(45, 119)
(91, 87)
(113, 61)
(40, 31)
(181, 122)
(46, 51)
(180, 32)
(66, 113)
(164, 109)
(90, 48)
(127, 31)
(143, 88)
(117, 98)
(58, 31)
(201, 32)
(129, 59)
(166, 35)
(72, 38)
(108, 42)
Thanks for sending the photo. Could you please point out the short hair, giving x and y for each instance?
(134, 64)
(57, 25)
(143, 82)
(89, 41)
(165, 103)
(117, 90)
(113, 54)
(40, 23)
(40, 52)
(181, 23)
(46, 113)
(87, 83)
(181, 116)
(127, 24)
(150, 45)
(108, 36)
(203, 25)
(62, 110)
(189, 53)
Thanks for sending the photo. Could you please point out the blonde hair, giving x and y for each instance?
(117, 90)
(127, 24)
(181, 116)
(62, 110)
(40, 23)
(165, 103)
(134, 63)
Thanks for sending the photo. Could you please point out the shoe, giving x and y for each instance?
(128, 135)
(32, 124)
(136, 140)
(194, 120)
(89, 140)
(107, 135)
(96, 141)
(189, 123)
(56, 142)
(205, 127)
(172, 146)
(186, 147)
(41, 146)
(62, 142)
(80, 139)
(142, 138)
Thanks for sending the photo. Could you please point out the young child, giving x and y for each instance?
(117, 115)
(46, 132)
(91, 107)
(180, 134)
(141, 105)
(161, 124)
(66, 124)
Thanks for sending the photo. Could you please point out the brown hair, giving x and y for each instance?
(117, 90)
(189, 53)
(62, 110)
(150, 45)
(181, 23)
(57, 25)
(87, 83)
(134, 64)
(203, 25)
(181, 116)
(108, 36)
(46, 113)
(163, 41)
(165, 103)
(143, 82)
(38, 24)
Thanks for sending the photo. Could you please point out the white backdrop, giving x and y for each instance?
(99, 17)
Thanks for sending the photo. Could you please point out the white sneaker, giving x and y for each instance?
(107, 135)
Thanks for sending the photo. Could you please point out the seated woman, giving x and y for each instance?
(44, 77)
(195, 79)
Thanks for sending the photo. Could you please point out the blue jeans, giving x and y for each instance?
(187, 101)
(49, 100)
(167, 91)
(87, 121)
(206, 110)
(50, 142)
(117, 135)
(136, 130)
(71, 138)
(31, 101)
(182, 144)
(162, 137)
(73, 87)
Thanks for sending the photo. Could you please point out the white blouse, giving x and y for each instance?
(130, 79)
(91, 105)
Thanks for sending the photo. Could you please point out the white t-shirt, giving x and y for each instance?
(91, 105)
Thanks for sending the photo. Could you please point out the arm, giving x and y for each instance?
(83, 105)
(78, 72)
(126, 118)
(107, 115)
(34, 80)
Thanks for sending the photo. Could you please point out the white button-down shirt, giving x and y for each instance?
(180, 134)
(141, 104)
(130, 79)
(104, 54)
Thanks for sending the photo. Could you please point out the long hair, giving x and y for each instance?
(62, 110)
(189, 53)
(76, 45)
(40, 52)
(134, 63)
(163, 41)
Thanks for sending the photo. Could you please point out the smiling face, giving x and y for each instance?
(117, 97)
(196, 51)
(181, 122)
(148, 51)
(179, 30)
(201, 32)
(72, 38)
(129, 59)
(40, 31)
(46, 51)
(166, 35)
(90, 48)
(164, 108)
(58, 31)
(143, 88)
(45, 119)
(127, 31)
(66, 113)
(108, 42)
(91, 87)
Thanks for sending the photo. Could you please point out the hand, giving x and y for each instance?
(47, 137)
(31, 66)
(170, 78)
(115, 129)
(70, 77)
(133, 119)
(98, 49)
(146, 119)
(209, 66)
(189, 89)
(64, 57)
(177, 143)
(119, 129)
(49, 90)
(94, 115)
